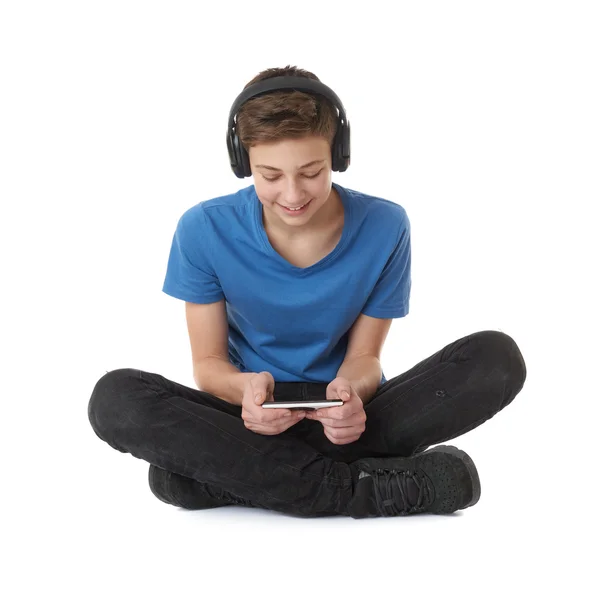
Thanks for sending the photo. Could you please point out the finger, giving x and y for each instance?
(260, 397)
(339, 433)
(353, 421)
(338, 436)
(266, 419)
(285, 416)
(280, 421)
(271, 415)
(260, 414)
(337, 412)
(347, 439)
(272, 429)
(330, 412)
(349, 418)
(327, 413)
(262, 430)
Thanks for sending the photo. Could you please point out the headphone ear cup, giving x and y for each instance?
(236, 158)
(335, 151)
(245, 161)
(341, 148)
(346, 146)
(231, 152)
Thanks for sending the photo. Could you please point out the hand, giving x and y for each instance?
(341, 424)
(261, 420)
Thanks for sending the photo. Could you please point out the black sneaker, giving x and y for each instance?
(441, 480)
(184, 492)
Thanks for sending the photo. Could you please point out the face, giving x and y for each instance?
(283, 178)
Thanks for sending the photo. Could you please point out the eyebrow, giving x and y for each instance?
(313, 162)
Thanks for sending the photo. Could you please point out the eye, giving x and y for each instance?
(307, 176)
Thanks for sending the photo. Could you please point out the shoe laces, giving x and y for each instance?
(392, 495)
(229, 497)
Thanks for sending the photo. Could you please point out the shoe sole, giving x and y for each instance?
(165, 485)
(468, 462)
(158, 481)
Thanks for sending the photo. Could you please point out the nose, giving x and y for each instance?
(294, 195)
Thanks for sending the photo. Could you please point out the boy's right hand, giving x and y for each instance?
(261, 420)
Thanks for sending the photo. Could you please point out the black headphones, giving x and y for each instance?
(340, 150)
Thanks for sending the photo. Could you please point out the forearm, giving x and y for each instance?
(220, 378)
(364, 374)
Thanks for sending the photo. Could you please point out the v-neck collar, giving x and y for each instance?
(257, 206)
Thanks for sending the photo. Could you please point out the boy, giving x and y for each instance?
(291, 286)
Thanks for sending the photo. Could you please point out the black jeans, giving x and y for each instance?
(300, 471)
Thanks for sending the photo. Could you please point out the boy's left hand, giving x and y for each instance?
(341, 424)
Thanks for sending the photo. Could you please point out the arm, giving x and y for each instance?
(361, 365)
(213, 373)
(220, 378)
(364, 374)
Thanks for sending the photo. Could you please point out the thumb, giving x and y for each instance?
(345, 395)
(265, 383)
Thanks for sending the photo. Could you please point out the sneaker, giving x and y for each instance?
(440, 480)
(184, 492)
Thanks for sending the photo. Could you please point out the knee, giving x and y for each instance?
(107, 403)
(501, 355)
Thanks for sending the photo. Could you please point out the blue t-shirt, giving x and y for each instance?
(290, 321)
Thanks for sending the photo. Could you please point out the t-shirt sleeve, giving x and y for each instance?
(190, 270)
(391, 295)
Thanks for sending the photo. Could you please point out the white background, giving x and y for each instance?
(480, 118)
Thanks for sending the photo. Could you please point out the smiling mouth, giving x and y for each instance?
(295, 207)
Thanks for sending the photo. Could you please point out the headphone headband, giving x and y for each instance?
(340, 150)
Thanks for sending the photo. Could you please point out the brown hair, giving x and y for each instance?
(285, 114)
